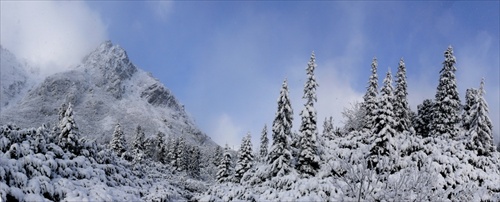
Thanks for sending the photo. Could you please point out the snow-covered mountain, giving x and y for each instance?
(105, 89)
(16, 77)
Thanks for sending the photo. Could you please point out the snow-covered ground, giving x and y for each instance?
(36, 169)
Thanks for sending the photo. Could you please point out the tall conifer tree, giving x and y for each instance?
(117, 143)
(384, 119)
(224, 172)
(139, 140)
(471, 95)
(445, 117)
(480, 131)
(68, 136)
(264, 141)
(181, 155)
(245, 158)
(308, 159)
(401, 106)
(370, 98)
(280, 155)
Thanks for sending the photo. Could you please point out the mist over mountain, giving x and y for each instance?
(105, 89)
(16, 77)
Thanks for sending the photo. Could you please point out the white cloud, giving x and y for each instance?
(52, 35)
(226, 132)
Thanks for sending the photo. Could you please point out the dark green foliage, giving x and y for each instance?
(424, 118)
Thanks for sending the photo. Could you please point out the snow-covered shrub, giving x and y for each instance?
(33, 169)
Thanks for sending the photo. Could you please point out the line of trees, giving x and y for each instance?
(174, 151)
(183, 157)
(382, 117)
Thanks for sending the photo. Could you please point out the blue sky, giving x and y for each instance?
(226, 60)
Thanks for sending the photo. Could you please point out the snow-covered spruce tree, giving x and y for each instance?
(68, 136)
(370, 99)
(161, 147)
(150, 147)
(138, 145)
(471, 95)
(169, 145)
(194, 161)
(308, 159)
(401, 106)
(40, 140)
(328, 130)
(172, 151)
(480, 127)
(245, 158)
(384, 130)
(139, 138)
(446, 110)
(181, 157)
(218, 154)
(264, 141)
(225, 171)
(58, 127)
(280, 156)
(117, 143)
(424, 118)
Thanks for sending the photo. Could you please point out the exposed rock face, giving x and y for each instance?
(158, 95)
(106, 89)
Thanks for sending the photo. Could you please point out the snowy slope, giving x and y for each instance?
(105, 89)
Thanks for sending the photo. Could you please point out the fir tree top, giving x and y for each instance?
(370, 98)
(387, 89)
(372, 89)
(284, 115)
(310, 86)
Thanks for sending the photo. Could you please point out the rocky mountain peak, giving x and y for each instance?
(110, 59)
(110, 66)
